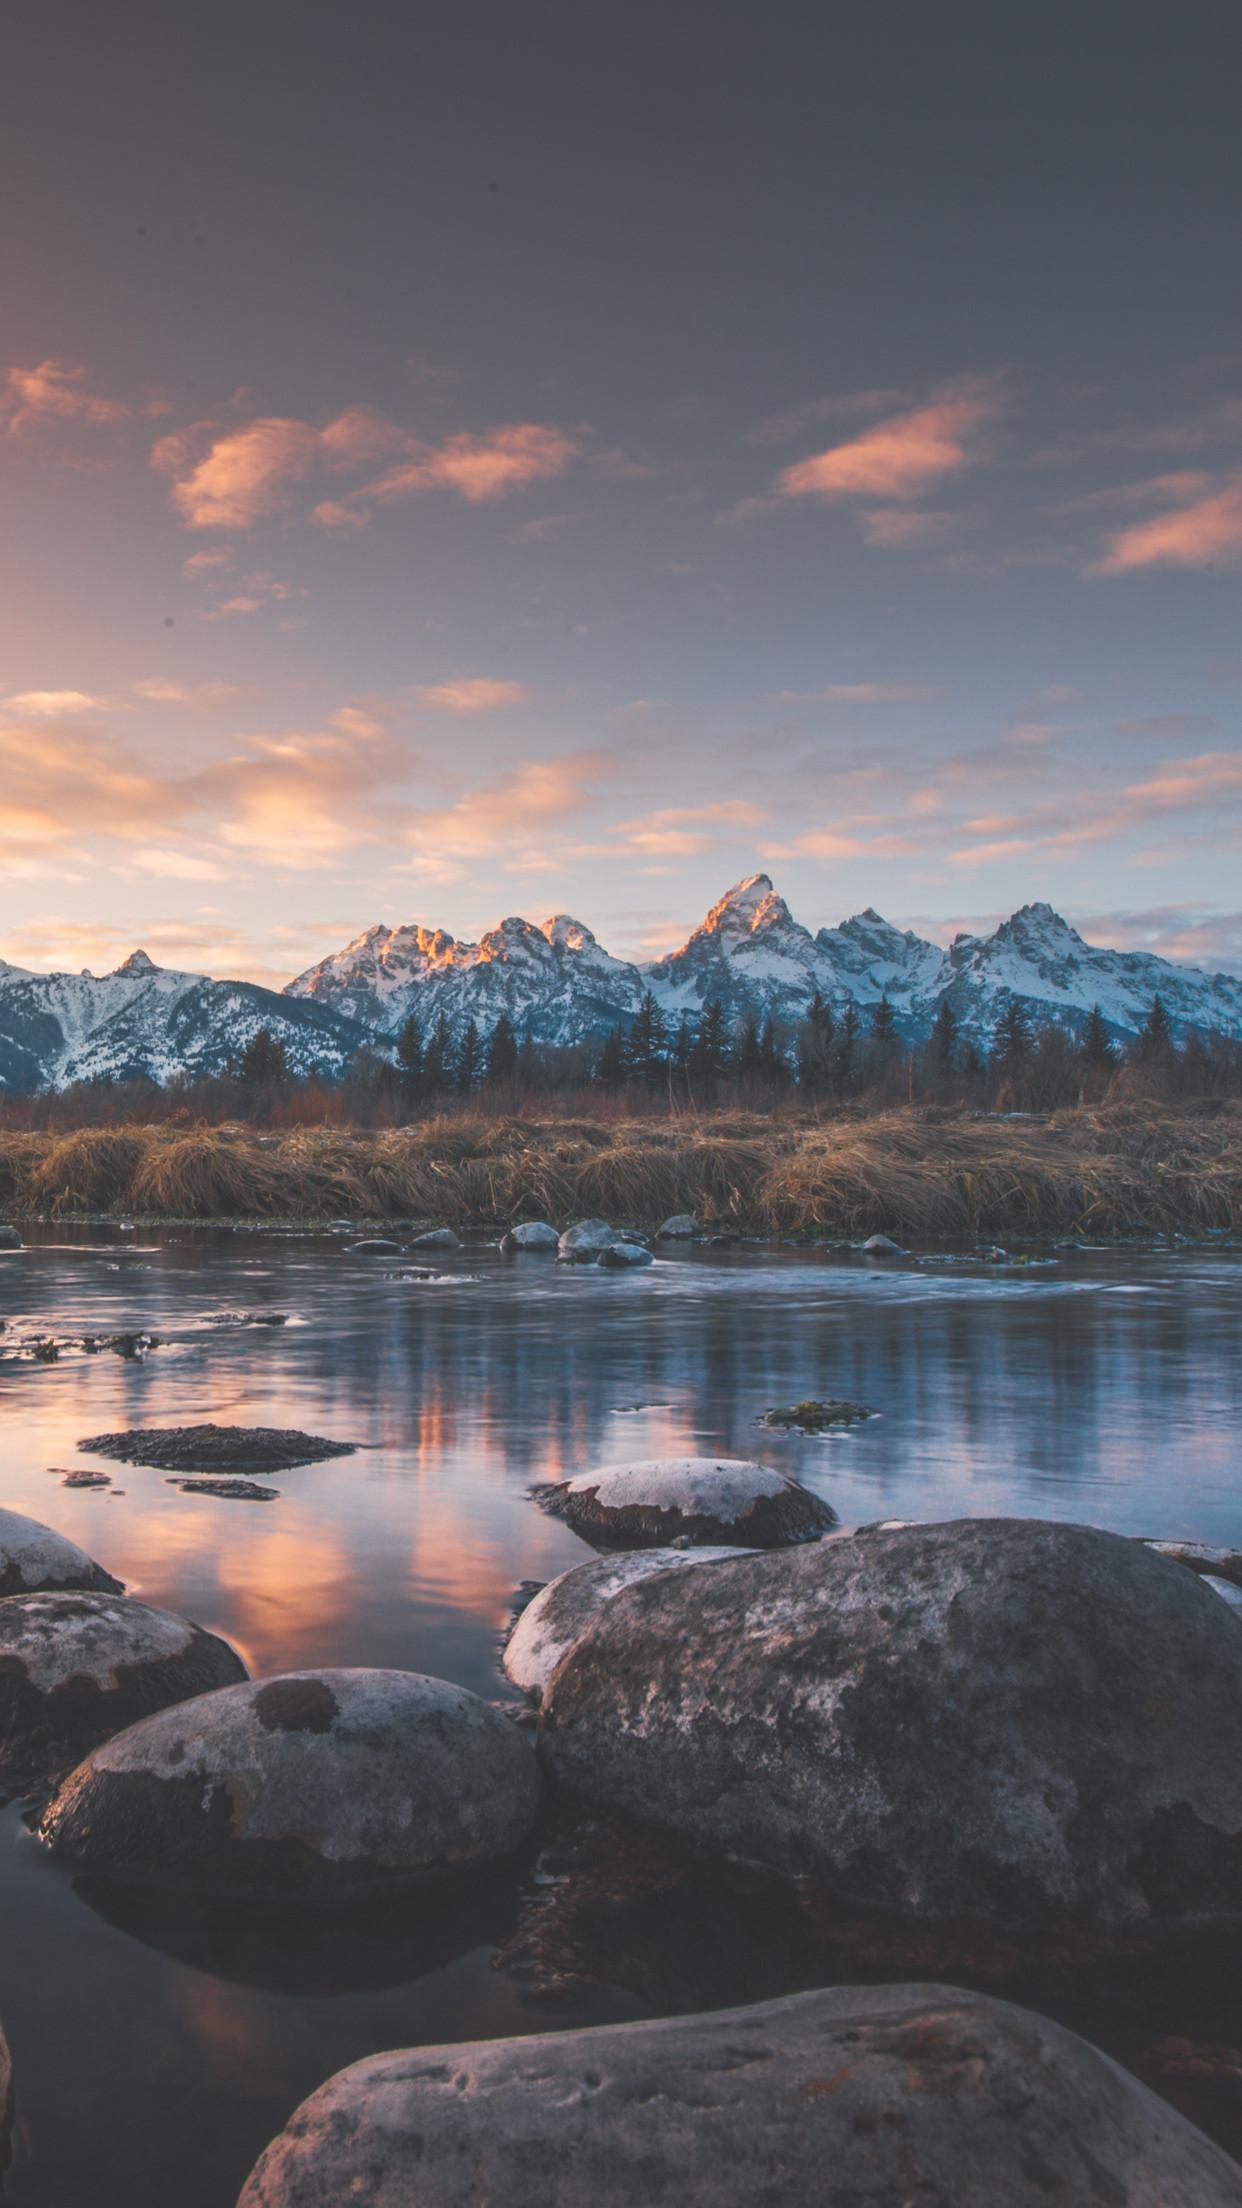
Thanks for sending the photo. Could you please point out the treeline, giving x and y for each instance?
(836, 1057)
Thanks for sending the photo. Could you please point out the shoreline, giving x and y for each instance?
(1108, 1173)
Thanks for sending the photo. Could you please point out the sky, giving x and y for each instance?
(529, 457)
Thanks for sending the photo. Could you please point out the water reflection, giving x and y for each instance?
(1107, 1388)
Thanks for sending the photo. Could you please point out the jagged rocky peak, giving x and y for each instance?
(136, 965)
(750, 908)
(565, 933)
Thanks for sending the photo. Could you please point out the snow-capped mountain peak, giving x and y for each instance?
(137, 964)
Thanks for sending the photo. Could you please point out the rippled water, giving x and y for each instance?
(155, 2057)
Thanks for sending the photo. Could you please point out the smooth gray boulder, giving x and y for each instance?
(76, 1667)
(582, 1243)
(310, 1782)
(992, 1718)
(437, 1238)
(34, 1560)
(682, 1227)
(710, 1501)
(375, 1245)
(561, 1612)
(854, 2097)
(10, 1239)
(620, 1256)
(882, 1245)
(532, 1234)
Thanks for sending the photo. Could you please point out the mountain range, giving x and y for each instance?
(558, 985)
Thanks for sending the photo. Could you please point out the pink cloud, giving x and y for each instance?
(1206, 532)
(905, 455)
(242, 477)
(890, 530)
(474, 694)
(54, 392)
(479, 469)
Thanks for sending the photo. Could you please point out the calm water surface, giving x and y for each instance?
(156, 2054)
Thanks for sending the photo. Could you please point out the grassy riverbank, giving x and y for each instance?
(1139, 1168)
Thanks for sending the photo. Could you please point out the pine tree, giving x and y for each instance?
(846, 1045)
(502, 1051)
(1011, 1042)
(883, 1025)
(264, 1062)
(1155, 1041)
(943, 1041)
(814, 1047)
(1095, 1044)
(410, 1060)
(709, 1058)
(682, 1050)
(610, 1065)
(746, 1057)
(438, 1058)
(469, 1061)
(771, 1057)
(644, 1051)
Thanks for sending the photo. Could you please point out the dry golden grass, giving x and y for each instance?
(1128, 1168)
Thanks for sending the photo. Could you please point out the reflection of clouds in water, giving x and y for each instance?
(1050, 1393)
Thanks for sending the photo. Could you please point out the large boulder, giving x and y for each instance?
(437, 1238)
(532, 1234)
(710, 1501)
(990, 1718)
(313, 1781)
(682, 1227)
(34, 1560)
(76, 1667)
(582, 1243)
(619, 1256)
(866, 2095)
(10, 1239)
(561, 1612)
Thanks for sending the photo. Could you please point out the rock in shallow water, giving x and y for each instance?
(724, 1501)
(34, 1560)
(437, 1238)
(309, 1782)
(619, 1256)
(871, 2096)
(990, 1718)
(682, 1227)
(532, 1234)
(10, 1239)
(217, 1448)
(561, 1612)
(76, 1667)
(582, 1243)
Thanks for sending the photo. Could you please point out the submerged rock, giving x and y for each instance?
(82, 1477)
(813, 1417)
(307, 1782)
(216, 1448)
(532, 1234)
(76, 1667)
(34, 1560)
(619, 1256)
(682, 1227)
(375, 1245)
(10, 1239)
(990, 1719)
(437, 1238)
(235, 1489)
(882, 1245)
(721, 1500)
(868, 2095)
(582, 1243)
(559, 1614)
(1201, 1557)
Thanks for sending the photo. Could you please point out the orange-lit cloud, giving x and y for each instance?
(543, 793)
(242, 476)
(858, 693)
(892, 530)
(680, 830)
(473, 694)
(1203, 532)
(53, 391)
(903, 456)
(49, 705)
(231, 478)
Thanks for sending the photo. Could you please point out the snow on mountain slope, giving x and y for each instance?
(558, 985)
(555, 982)
(148, 1021)
(1037, 957)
